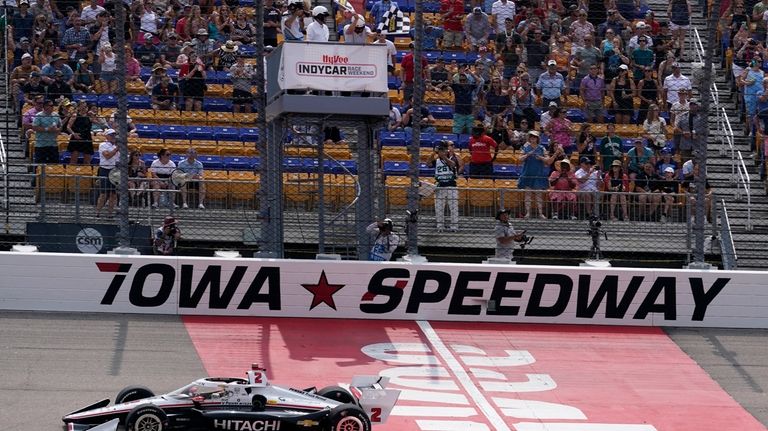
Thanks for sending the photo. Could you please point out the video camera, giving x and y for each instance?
(524, 239)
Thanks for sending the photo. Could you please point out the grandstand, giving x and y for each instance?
(326, 184)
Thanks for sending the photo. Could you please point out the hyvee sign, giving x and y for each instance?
(391, 291)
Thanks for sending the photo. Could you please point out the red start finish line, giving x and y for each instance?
(483, 377)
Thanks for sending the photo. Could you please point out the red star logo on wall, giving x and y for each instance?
(323, 292)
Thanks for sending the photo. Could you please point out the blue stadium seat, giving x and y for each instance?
(139, 102)
(432, 56)
(665, 116)
(249, 134)
(397, 139)
(107, 101)
(506, 171)
(458, 57)
(238, 163)
(627, 144)
(369, 4)
(217, 77)
(575, 115)
(211, 162)
(446, 137)
(544, 140)
(399, 55)
(247, 50)
(65, 156)
(145, 73)
(148, 131)
(395, 168)
(293, 164)
(199, 132)
(432, 7)
(247, 3)
(91, 99)
(310, 165)
(226, 134)
(463, 142)
(393, 83)
(176, 158)
(427, 140)
(407, 5)
(441, 112)
(342, 166)
(174, 132)
(149, 158)
(217, 104)
(425, 170)
(256, 163)
(471, 57)
(173, 74)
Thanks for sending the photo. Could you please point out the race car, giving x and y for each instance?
(236, 404)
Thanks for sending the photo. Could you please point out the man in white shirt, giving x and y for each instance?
(194, 169)
(356, 32)
(673, 84)
(317, 31)
(588, 177)
(108, 156)
(161, 169)
(501, 10)
(641, 31)
(381, 38)
(90, 12)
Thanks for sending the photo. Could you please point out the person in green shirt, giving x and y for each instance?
(641, 57)
(610, 147)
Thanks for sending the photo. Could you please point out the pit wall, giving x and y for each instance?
(392, 290)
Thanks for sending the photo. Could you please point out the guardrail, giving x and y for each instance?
(745, 183)
(727, 144)
(727, 248)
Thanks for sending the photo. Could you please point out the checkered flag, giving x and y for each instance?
(394, 21)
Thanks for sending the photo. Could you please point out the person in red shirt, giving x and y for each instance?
(563, 182)
(482, 152)
(408, 67)
(453, 15)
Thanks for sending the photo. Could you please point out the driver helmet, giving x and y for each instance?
(387, 224)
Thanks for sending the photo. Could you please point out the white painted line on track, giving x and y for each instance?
(463, 377)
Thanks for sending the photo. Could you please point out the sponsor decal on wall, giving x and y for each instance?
(388, 291)
(333, 67)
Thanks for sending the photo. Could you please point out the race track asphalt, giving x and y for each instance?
(53, 363)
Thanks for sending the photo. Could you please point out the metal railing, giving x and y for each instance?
(727, 249)
(745, 183)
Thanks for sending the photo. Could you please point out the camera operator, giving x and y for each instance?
(293, 21)
(506, 236)
(166, 237)
(386, 241)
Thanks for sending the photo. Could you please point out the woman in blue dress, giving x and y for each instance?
(533, 177)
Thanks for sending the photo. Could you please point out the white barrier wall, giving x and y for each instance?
(367, 290)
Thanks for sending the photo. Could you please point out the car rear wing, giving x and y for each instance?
(374, 398)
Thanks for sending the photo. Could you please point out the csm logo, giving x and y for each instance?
(89, 241)
(239, 425)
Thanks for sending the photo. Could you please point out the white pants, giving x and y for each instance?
(449, 196)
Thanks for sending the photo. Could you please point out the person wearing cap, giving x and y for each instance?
(317, 30)
(563, 182)
(550, 85)
(170, 50)
(109, 154)
(292, 24)
(79, 128)
(447, 166)
(689, 126)
(165, 94)
(666, 161)
(381, 38)
(668, 187)
(533, 176)
(147, 53)
(356, 32)
(639, 155)
(673, 84)
(195, 172)
(205, 48)
(59, 87)
(241, 75)
(477, 28)
(47, 126)
(21, 74)
(22, 47)
(506, 235)
(654, 27)
(546, 116)
(166, 237)
(22, 21)
(452, 12)
(616, 183)
(622, 89)
(642, 57)
(592, 91)
(158, 72)
(588, 177)
(385, 241)
(77, 40)
(226, 55)
(641, 32)
(58, 63)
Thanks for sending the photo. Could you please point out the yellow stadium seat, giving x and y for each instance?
(343, 188)
(394, 154)
(508, 194)
(194, 118)
(147, 145)
(135, 87)
(481, 193)
(401, 43)
(216, 185)
(300, 189)
(216, 90)
(395, 96)
(244, 186)
(339, 153)
(106, 113)
(443, 125)
(172, 117)
(508, 156)
(142, 115)
(223, 119)
(80, 180)
(397, 191)
(231, 148)
(55, 181)
(243, 119)
(427, 201)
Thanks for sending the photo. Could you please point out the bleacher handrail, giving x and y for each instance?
(728, 135)
(727, 248)
(745, 182)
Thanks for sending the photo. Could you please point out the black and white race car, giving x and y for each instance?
(235, 404)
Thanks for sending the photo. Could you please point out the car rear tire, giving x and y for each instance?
(146, 417)
(133, 393)
(337, 393)
(348, 417)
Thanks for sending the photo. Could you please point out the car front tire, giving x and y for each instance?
(133, 393)
(146, 417)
